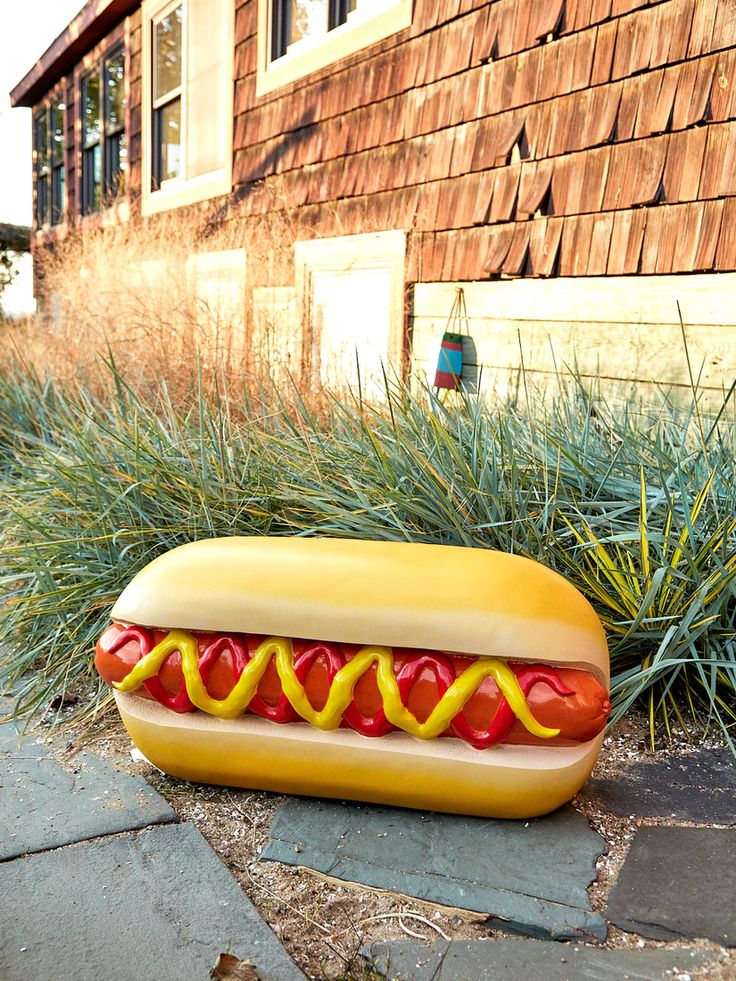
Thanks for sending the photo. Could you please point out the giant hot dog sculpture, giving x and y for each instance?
(437, 677)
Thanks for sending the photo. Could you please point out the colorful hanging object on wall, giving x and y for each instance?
(450, 362)
(436, 677)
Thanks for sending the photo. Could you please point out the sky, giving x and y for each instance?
(27, 28)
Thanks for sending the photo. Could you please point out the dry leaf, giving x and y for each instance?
(230, 968)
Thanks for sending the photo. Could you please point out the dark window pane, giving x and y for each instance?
(91, 179)
(280, 12)
(167, 54)
(91, 109)
(167, 145)
(116, 163)
(57, 134)
(115, 93)
(339, 10)
(58, 187)
(42, 142)
(42, 201)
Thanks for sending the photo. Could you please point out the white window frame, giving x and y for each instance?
(153, 105)
(180, 191)
(310, 54)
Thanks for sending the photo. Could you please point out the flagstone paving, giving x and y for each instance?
(136, 902)
(530, 877)
(678, 882)
(43, 805)
(155, 904)
(96, 881)
(699, 787)
(501, 960)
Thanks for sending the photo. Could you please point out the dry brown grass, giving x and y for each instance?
(147, 293)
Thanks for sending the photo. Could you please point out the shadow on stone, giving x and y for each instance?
(700, 787)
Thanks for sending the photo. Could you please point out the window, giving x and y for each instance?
(296, 37)
(116, 150)
(167, 99)
(49, 165)
(91, 154)
(299, 20)
(104, 151)
(43, 212)
(58, 180)
(187, 95)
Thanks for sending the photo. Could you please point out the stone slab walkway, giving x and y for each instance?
(529, 877)
(47, 806)
(96, 885)
(97, 881)
(700, 788)
(155, 904)
(678, 882)
(504, 960)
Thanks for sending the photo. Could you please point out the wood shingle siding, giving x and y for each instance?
(605, 120)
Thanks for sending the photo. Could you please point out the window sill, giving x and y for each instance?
(335, 45)
(179, 194)
(108, 217)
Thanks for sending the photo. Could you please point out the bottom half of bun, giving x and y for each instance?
(434, 775)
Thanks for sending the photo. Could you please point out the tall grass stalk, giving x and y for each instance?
(635, 504)
(160, 294)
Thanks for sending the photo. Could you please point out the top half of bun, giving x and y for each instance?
(432, 597)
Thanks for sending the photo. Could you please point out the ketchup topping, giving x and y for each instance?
(409, 670)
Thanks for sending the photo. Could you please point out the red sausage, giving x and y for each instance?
(571, 700)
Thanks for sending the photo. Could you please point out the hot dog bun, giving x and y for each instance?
(394, 595)
(439, 774)
(434, 597)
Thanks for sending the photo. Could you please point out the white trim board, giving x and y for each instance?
(706, 298)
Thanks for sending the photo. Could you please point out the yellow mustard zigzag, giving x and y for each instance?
(341, 690)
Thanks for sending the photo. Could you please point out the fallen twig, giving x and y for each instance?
(409, 915)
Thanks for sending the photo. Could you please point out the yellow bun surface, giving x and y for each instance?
(440, 774)
(396, 594)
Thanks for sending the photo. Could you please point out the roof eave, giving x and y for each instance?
(96, 19)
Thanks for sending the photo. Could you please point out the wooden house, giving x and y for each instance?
(570, 163)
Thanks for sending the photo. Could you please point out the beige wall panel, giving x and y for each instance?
(352, 294)
(600, 328)
(218, 281)
(276, 336)
(503, 382)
